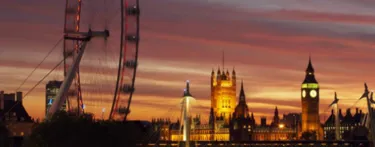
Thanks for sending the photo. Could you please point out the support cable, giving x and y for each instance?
(45, 57)
(40, 81)
(356, 102)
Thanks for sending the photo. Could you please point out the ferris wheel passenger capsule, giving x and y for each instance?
(134, 10)
(123, 110)
(131, 64)
(132, 38)
(69, 53)
(126, 88)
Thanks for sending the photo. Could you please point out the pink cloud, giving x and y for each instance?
(185, 40)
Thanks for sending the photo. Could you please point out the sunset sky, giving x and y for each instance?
(268, 42)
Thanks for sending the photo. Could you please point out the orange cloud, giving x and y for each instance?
(269, 51)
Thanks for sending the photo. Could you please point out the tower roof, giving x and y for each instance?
(309, 66)
(331, 119)
(212, 117)
(241, 109)
(242, 94)
(187, 90)
(276, 111)
(348, 118)
(310, 77)
(276, 118)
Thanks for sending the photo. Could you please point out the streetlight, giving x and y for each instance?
(281, 126)
(103, 110)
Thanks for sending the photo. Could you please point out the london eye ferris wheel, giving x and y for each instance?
(101, 41)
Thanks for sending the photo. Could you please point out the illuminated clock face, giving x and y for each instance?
(313, 93)
(303, 93)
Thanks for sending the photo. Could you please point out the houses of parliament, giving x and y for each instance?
(230, 119)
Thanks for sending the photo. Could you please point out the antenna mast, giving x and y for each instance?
(223, 60)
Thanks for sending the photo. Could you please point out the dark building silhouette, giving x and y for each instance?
(15, 117)
(12, 109)
(242, 123)
(277, 130)
(292, 120)
(161, 128)
(348, 123)
(276, 118)
(263, 122)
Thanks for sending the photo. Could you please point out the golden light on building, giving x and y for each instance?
(223, 94)
(310, 103)
(203, 135)
(310, 85)
(229, 120)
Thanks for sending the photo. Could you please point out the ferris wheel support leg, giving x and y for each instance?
(337, 123)
(60, 98)
(371, 120)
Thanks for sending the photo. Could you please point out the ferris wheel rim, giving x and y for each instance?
(75, 27)
(120, 81)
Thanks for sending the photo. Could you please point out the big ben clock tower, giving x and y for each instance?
(310, 103)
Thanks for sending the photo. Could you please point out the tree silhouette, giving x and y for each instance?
(4, 135)
(331, 135)
(347, 135)
(64, 130)
(309, 135)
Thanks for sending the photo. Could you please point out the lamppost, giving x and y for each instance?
(337, 119)
(103, 110)
(186, 102)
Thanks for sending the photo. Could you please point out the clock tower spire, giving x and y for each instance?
(310, 102)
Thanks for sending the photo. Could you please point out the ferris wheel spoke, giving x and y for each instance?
(93, 79)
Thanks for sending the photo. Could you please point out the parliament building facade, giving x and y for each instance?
(230, 119)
